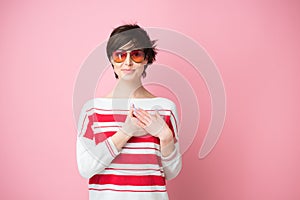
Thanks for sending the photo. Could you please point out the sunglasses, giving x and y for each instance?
(137, 55)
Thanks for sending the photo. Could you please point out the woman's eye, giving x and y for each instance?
(138, 53)
(119, 54)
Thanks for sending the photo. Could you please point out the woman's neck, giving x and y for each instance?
(128, 89)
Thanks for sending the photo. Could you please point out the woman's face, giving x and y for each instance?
(129, 69)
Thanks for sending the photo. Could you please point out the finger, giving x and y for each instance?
(144, 114)
(135, 121)
(143, 119)
(141, 124)
(131, 112)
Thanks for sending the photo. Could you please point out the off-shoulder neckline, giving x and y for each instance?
(109, 98)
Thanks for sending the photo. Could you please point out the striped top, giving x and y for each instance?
(138, 171)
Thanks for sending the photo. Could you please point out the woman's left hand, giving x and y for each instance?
(156, 126)
(153, 124)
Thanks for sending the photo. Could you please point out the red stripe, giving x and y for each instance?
(110, 149)
(128, 190)
(146, 138)
(117, 117)
(89, 132)
(95, 117)
(106, 126)
(141, 148)
(127, 180)
(100, 137)
(175, 121)
(137, 159)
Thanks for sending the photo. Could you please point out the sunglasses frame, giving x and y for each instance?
(130, 54)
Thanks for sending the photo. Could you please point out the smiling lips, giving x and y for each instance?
(127, 71)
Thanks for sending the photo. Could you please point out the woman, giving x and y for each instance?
(127, 144)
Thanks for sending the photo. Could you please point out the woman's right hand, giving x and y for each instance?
(130, 126)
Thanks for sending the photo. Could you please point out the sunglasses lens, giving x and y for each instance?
(119, 56)
(137, 56)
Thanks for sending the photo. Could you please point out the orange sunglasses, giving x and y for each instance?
(137, 55)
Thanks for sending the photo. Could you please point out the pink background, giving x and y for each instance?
(255, 45)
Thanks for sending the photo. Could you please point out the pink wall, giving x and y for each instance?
(255, 45)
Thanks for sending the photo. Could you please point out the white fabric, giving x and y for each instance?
(97, 159)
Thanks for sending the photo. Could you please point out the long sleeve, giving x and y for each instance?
(92, 158)
(172, 164)
(90, 164)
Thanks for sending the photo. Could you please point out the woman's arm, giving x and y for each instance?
(171, 157)
(168, 136)
(167, 145)
(171, 163)
(92, 158)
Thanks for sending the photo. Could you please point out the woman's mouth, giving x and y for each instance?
(127, 71)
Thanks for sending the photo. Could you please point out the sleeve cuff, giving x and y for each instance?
(112, 148)
(170, 157)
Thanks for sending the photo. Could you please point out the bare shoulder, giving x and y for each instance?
(109, 95)
(148, 94)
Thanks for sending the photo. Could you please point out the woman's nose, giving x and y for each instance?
(128, 60)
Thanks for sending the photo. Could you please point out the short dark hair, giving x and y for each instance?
(134, 34)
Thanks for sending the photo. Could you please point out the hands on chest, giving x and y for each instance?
(139, 122)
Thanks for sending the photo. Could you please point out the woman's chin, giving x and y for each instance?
(129, 76)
